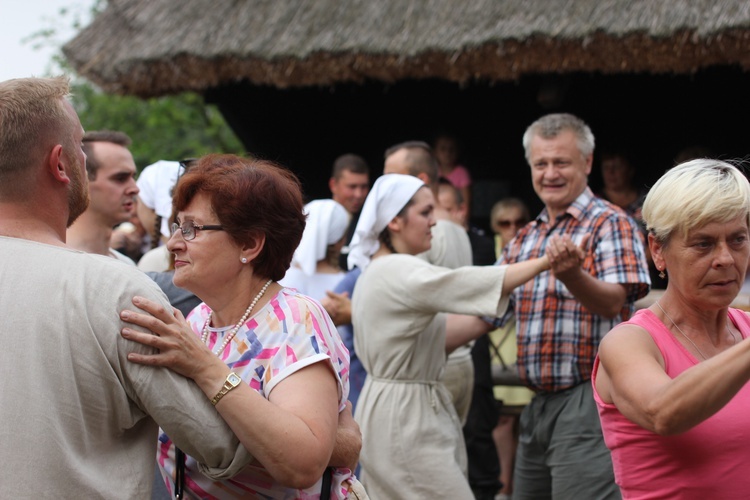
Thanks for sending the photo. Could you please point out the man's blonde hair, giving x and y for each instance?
(33, 119)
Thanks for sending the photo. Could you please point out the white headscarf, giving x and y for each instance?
(327, 221)
(388, 196)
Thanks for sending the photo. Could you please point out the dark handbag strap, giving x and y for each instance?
(179, 478)
(325, 489)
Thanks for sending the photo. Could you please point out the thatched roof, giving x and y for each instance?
(156, 47)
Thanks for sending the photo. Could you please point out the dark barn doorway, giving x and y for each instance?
(653, 117)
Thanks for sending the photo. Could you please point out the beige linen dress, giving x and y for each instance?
(412, 442)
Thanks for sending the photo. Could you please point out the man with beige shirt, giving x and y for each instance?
(79, 420)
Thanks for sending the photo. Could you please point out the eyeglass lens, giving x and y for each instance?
(187, 228)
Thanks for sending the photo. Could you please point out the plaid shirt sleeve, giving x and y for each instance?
(619, 256)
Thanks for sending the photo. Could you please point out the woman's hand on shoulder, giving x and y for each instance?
(177, 346)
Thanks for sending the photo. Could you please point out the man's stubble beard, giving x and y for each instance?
(78, 193)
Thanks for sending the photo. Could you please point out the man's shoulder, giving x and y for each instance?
(90, 274)
(121, 257)
(452, 232)
(348, 281)
(599, 208)
(448, 227)
(103, 271)
(118, 273)
(610, 221)
(451, 246)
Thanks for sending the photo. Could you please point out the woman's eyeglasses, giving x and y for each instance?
(189, 229)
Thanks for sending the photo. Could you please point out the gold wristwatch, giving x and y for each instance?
(232, 381)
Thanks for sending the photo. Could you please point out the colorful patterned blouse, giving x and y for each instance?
(289, 333)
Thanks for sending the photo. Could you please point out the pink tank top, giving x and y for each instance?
(711, 460)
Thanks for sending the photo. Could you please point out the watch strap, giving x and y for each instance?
(232, 381)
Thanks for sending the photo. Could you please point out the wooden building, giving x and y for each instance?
(302, 81)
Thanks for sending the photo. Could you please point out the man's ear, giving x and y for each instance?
(424, 178)
(589, 160)
(58, 166)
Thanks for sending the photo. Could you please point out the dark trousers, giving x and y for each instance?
(561, 452)
(484, 467)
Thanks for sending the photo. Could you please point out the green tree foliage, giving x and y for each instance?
(166, 128)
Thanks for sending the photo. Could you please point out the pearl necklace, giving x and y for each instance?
(688, 338)
(237, 327)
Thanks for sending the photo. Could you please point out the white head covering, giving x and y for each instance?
(327, 221)
(388, 196)
(156, 182)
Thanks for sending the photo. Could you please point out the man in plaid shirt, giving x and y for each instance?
(598, 271)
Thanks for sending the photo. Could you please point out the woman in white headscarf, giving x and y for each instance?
(412, 442)
(315, 268)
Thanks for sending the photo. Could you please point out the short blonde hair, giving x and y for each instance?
(32, 118)
(693, 194)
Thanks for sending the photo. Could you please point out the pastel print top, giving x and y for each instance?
(289, 333)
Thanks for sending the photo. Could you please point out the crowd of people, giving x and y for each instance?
(207, 334)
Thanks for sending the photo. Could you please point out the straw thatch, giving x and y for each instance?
(156, 47)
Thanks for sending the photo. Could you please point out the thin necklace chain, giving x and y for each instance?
(237, 327)
(734, 338)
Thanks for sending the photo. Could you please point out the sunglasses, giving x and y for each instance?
(507, 223)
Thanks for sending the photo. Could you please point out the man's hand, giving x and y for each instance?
(348, 441)
(565, 257)
(598, 296)
(339, 307)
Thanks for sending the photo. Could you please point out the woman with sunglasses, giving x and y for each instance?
(267, 357)
(506, 218)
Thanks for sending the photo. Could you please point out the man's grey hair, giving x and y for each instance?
(550, 126)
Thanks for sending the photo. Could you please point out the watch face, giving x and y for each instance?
(234, 379)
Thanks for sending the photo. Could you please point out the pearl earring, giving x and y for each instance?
(244, 260)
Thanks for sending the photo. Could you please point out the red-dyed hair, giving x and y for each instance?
(250, 197)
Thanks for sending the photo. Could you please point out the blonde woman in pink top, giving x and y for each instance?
(671, 383)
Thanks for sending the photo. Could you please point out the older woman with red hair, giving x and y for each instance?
(268, 357)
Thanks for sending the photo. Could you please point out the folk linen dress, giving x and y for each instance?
(412, 441)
